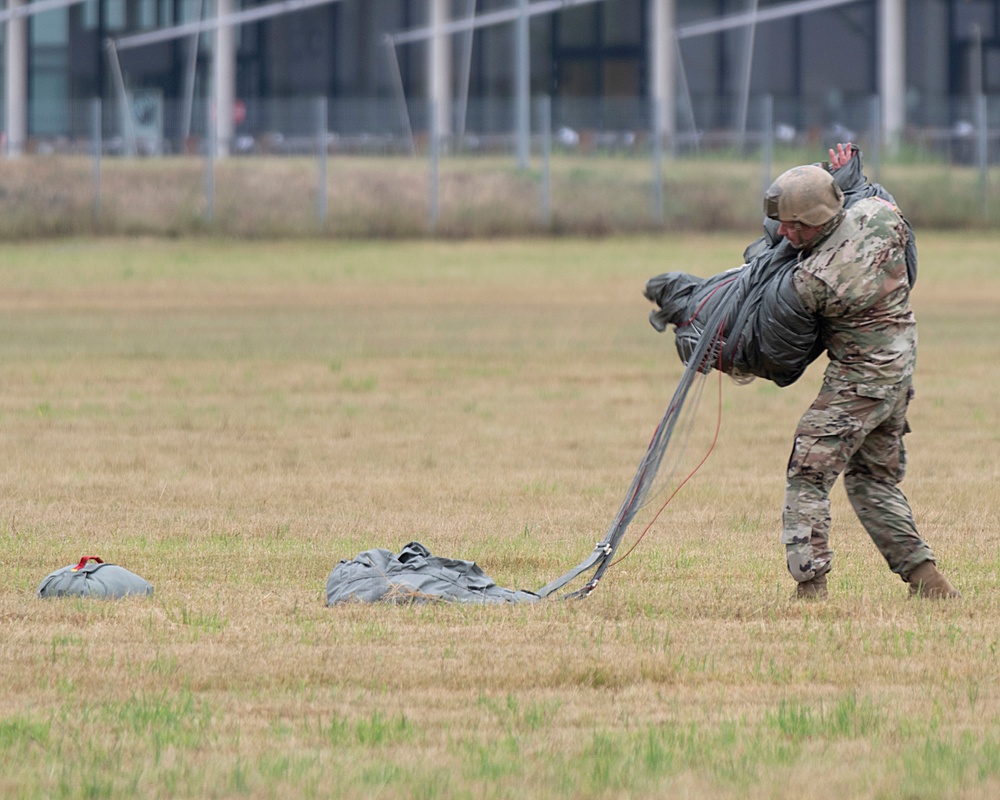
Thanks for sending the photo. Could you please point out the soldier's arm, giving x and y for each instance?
(811, 291)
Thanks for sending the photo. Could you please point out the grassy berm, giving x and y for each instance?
(396, 197)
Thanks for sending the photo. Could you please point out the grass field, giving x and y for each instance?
(230, 420)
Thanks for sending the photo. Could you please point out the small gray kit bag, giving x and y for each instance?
(93, 578)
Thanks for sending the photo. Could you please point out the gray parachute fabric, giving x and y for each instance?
(92, 577)
(414, 576)
(769, 335)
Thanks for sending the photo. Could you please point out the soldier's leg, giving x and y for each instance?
(871, 481)
(827, 435)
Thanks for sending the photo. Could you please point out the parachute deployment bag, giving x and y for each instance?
(93, 578)
(413, 576)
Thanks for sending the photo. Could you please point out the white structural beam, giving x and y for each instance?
(487, 20)
(769, 14)
(688, 31)
(16, 9)
(892, 69)
(254, 14)
(224, 79)
(16, 81)
(663, 58)
(439, 66)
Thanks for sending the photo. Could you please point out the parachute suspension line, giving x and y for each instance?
(709, 347)
(685, 426)
(689, 476)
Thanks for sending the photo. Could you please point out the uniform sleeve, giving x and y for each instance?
(812, 292)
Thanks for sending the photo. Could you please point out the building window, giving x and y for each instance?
(49, 106)
(114, 15)
(166, 13)
(597, 50)
(89, 15)
(578, 27)
(621, 23)
(147, 15)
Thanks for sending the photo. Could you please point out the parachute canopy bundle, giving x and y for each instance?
(414, 576)
(767, 333)
(92, 577)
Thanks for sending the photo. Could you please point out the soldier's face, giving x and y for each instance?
(797, 233)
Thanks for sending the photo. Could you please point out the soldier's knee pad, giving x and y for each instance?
(798, 552)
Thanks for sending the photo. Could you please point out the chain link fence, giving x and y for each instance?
(367, 167)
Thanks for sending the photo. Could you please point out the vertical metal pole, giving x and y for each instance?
(663, 64)
(404, 112)
(189, 76)
(466, 74)
(15, 80)
(210, 162)
(95, 110)
(747, 73)
(545, 120)
(767, 159)
(891, 24)
(981, 148)
(435, 157)
(321, 136)
(658, 131)
(126, 109)
(523, 88)
(979, 109)
(876, 155)
(224, 78)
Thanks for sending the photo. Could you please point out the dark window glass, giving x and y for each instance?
(622, 22)
(578, 26)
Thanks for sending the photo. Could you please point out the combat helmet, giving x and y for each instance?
(807, 195)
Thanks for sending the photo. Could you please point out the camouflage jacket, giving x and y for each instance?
(855, 281)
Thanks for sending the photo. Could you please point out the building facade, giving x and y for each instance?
(605, 64)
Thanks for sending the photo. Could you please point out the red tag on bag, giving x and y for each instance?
(84, 560)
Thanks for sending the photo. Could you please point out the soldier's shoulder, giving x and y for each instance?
(874, 213)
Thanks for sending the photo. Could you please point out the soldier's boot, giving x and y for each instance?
(812, 589)
(927, 581)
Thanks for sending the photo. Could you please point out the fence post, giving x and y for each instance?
(210, 163)
(981, 150)
(321, 145)
(95, 111)
(435, 157)
(523, 87)
(875, 159)
(767, 160)
(545, 121)
(657, 162)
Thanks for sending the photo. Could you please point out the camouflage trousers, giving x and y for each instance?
(857, 430)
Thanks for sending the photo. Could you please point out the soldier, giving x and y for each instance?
(851, 274)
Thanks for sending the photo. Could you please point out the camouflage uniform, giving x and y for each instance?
(855, 281)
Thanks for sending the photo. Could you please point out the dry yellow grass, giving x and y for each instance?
(389, 197)
(229, 420)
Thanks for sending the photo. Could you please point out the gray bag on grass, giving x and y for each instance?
(413, 576)
(93, 578)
